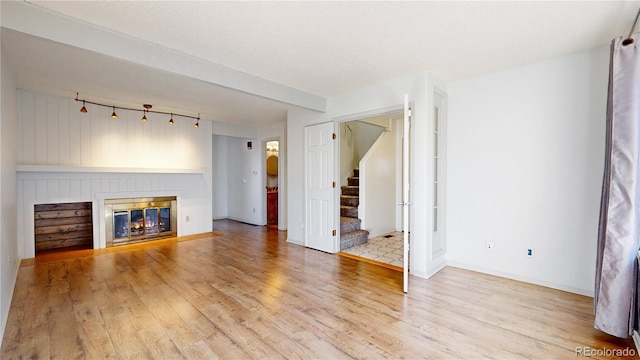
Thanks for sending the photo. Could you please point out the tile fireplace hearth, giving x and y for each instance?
(134, 220)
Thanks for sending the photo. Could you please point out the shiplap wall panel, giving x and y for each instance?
(52, 119)
(19, 114)
(64, 139)
(40, 123)
(85, 140)
(75, 141)
(27, 130)
(65, 190)
(52, 131)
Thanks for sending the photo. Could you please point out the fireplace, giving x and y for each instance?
(140, 219)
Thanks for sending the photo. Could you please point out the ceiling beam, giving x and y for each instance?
(24, 17)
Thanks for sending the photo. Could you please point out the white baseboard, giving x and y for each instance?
(245, 221)
(521, 278)
(294, 241)
(439, 265)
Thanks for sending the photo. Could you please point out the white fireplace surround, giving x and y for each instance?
(193, 204)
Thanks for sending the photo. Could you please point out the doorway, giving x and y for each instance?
(373, 146)
(272, 149)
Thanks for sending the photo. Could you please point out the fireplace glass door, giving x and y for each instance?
(151, 221)
(120, 225)
(165, 219)
(137, 223)
(133, 220)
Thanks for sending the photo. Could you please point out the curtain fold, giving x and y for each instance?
(616, 266)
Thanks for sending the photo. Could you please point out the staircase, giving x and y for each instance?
(350, 232)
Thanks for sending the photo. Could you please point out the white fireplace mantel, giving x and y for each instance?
(102, 169)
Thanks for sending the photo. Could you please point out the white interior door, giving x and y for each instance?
(405, 193)
(320, 231)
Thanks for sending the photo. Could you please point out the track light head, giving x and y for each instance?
(197, 124)
(84, 109)
(144, 117)
(171, 120)
(113, 114)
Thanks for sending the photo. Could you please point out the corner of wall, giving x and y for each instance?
(9, 261)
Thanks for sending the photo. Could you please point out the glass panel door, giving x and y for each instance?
(151, 221)
(120, 225)
(137, 223)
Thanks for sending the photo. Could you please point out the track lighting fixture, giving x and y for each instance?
(145, 111)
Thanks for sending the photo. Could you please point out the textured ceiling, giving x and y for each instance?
(328, 48)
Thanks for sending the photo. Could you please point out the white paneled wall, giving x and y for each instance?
(53, 131)
(84, 149)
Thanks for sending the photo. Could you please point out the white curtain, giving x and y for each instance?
(616, 274)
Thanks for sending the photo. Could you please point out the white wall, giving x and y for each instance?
(525, 164)
(365, 135)
(220, 185)
(241, 131)
(346, 153)
(53, 132)
(378, 206)
(239, 178)
(244, 179)
(8, 201)
(297, 120)
(367, 102)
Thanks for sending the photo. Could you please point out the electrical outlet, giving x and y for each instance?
(529, 252)
(187, 218)
(489, 245)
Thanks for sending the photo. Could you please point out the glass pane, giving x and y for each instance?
(435, 194)
(120, 225)
(435, 169)
(435, 119)
(165, 219)
(137, 223)
(435, 144)
(435, 219)
(151, 221)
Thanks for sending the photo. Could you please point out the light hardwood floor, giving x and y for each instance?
(243, 292)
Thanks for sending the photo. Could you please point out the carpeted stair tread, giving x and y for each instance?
(349, 211)
(353, 238)
(350, 190)
(349, 200)
(350, 232)
(348, 224)
(348, 220)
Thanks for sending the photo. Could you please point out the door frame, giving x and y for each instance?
(264, 179)
(354, 117)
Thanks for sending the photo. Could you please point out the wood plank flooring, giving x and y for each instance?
(243, 292)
